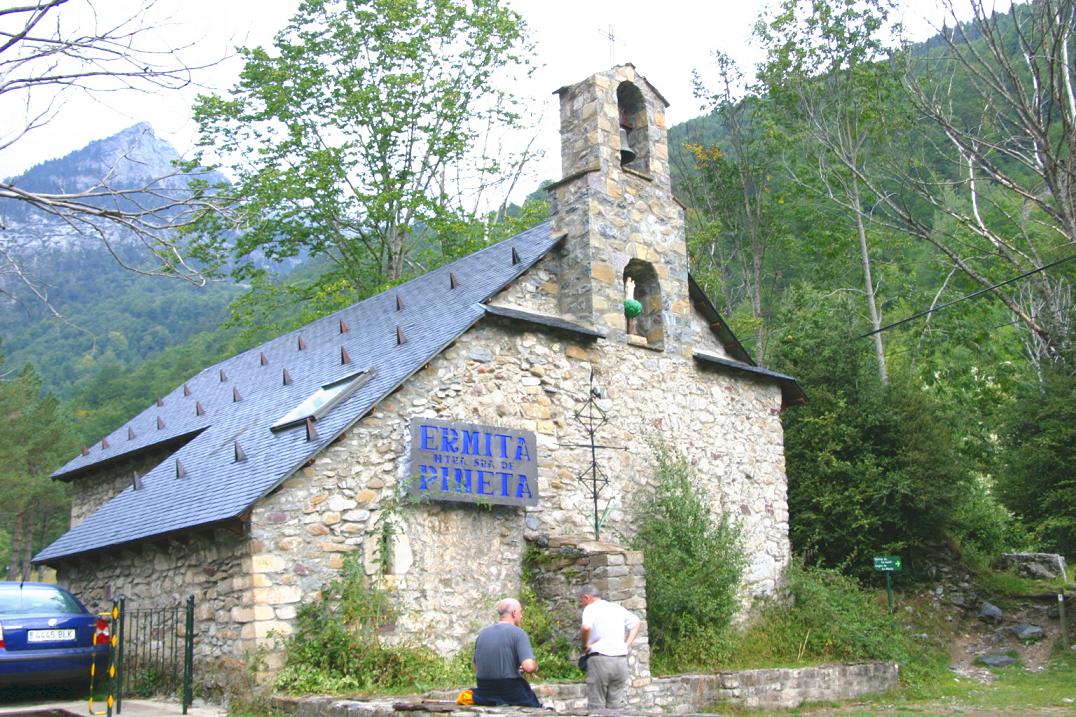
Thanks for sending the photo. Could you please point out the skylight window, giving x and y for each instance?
(323, 400)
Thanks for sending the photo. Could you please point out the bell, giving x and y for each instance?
(627, 154)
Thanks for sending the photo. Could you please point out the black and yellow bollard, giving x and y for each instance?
(113, 641)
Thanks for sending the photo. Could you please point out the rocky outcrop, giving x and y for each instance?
(1038, 566)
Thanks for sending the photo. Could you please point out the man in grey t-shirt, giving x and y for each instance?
(502, 655)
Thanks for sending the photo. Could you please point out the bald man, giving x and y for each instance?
(502, 655)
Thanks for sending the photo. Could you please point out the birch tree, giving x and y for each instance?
(729, 192)
(995, 189)
(827, 66)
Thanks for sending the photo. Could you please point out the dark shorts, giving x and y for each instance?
(511, 691)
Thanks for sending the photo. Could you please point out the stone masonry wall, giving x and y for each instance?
(90, 492)
(214, 567)
(560, 566)
(781, 688)
(448, 564)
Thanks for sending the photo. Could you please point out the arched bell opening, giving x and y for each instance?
(642, 302)
(634, 128)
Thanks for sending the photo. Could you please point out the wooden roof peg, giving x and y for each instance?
(345, 357)
(400, 338)
(287, 378)
(240, 454)
(263, 359)
(181, 472)
(199, 409)
(311, 432)
(453, 282)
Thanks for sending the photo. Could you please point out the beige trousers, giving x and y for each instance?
(607, 682)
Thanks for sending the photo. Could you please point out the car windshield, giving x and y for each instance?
(36, 599)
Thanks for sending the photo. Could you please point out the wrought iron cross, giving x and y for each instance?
(592, 417)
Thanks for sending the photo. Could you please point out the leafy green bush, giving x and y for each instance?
(694, 565)
(552, 649)
(823, 616)
(982, 527)
(873, 469)
(336, 646)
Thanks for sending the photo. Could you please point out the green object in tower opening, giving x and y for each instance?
(632, 308)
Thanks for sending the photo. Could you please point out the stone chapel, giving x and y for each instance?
(431, 431)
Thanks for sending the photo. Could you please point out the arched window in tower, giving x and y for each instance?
(634, 129)
(642, 302)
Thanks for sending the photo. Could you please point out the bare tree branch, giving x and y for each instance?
(53, 47)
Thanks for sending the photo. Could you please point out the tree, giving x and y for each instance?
(731, 221)
(367, 134)
(45, 54)
(827, 69)
(872, 468)
(993, 187)
(34, 439)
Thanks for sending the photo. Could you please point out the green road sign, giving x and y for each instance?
(887, 562)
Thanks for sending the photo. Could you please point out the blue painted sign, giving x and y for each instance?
(464, 462)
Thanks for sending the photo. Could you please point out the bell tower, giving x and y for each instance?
(625, 231)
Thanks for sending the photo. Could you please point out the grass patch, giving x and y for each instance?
(822, 616)
(919, 636)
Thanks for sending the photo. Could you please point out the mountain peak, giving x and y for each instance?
(126, 159)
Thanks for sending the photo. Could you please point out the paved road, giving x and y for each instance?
(51, 702)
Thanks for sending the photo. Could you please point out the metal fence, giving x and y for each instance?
(152, 653)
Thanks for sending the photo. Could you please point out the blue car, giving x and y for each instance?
(47, 635)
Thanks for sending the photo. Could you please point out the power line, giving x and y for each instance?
(972, 295)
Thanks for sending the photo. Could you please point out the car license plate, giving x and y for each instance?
(49, 635)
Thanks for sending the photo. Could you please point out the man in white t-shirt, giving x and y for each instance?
(606, 634)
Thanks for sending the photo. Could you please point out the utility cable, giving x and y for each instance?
(972, 295)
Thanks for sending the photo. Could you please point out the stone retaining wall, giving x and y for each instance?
(680, 694)
(564, 564)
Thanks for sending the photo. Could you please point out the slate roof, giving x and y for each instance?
(236, 400)
(791, 392)
(550, 322)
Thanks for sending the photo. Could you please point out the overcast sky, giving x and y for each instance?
(665, 41)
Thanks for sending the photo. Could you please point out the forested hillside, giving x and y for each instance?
(82, 311)
(892, 225)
